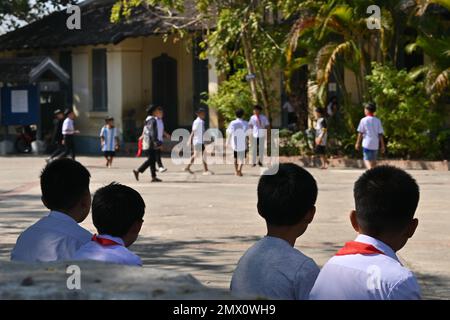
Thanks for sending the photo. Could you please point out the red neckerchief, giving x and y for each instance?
(105, 242)
(354, 247)
(370, 115)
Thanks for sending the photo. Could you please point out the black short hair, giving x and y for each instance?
(286, 197)
(370, 106)
(320, 111)
(150, 109)
(257, 107)
(115, 208)
(386, 199)
(239, 113)
(63, 184)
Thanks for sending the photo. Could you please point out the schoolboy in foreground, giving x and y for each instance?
(65, 191)
(368, 268)
(272, 267)
(117, 213)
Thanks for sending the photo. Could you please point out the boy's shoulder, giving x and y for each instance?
(278, 248)
(391, 270)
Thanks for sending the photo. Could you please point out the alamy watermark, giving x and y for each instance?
(374, 21)
(74, 280)
(218, 149)
(73, 22)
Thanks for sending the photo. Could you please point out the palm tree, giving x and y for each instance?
(435, 43)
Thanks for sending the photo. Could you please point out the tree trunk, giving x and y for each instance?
(250, 65)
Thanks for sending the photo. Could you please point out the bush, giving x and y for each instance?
(295, 144)
(232, 94)
(412, 125)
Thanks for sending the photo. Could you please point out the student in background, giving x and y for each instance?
(272, 267)
(321, 130)
(237, 137)
(197, 143)
(68, 131)
(370, 132)
(117, 213)
(109, 138)
(150, 143)
(57, 136)
(368, 268)
(259, 124)
(65, 191)
(161, 135)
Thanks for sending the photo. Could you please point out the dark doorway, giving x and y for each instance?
(165, 89)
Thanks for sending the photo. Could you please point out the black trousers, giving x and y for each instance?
(69, 147)
(150, 162)
(59, 147)
(158, 158)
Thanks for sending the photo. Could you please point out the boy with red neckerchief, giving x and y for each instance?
(370, 132)
(117, 213)
(368, 268)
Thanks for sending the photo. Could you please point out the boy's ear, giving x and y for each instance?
(137, 226)
(310, 215)
(412, 227)
(354, 221)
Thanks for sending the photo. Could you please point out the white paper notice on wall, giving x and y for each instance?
(19, 101)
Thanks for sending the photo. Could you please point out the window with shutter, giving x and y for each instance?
(99, 80)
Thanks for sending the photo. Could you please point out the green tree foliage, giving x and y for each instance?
(15, 12)
(233, 93)
(413, 127)
(246, 35)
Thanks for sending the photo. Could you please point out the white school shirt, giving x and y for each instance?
(237, 129)
(370, 127)
(198, 128)
(321, 126)
(117, 254)
(366, 277)
(288, 107)
(55, 237)
(160, 127)
(258, 127)
(68, 127)
(273, 269)
(110, 135)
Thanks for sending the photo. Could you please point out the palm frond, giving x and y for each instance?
(441, 82)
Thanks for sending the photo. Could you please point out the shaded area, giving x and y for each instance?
(434, 286)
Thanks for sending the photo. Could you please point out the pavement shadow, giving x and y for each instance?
(434, 287)
(196, 254)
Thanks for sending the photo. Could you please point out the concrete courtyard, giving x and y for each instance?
(203, 224)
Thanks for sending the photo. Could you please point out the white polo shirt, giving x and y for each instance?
(55, 237)
(366, 276)
(258, 126)
(237, 129)
(117, 254)
(198, 128)
(68, 127)
(160, 125)
(370, 127)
